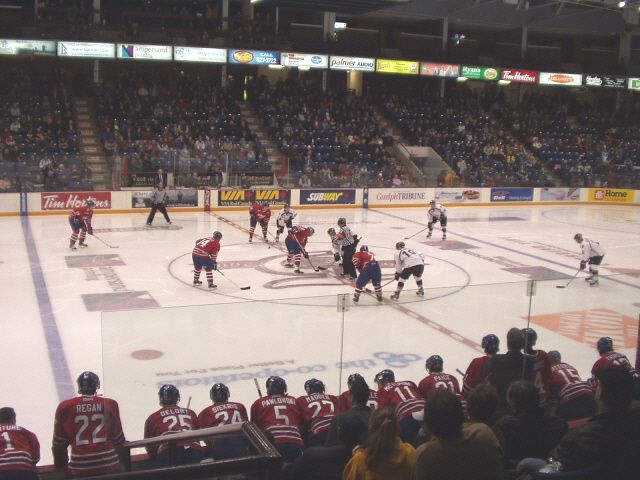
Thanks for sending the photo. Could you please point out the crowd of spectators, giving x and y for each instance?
(590, 142)
(329, 139)
(38, 137)
(181, 123)
(465, 132)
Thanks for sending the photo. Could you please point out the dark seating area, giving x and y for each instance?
(464, 129)
(586, 142)
(180, 122)
(38, 136)
(330, 139)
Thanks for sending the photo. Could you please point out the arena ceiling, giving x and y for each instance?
(575, 17)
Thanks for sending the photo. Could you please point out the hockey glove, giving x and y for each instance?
(583, 264)
(214, 266)
(356, 240)
(396, 277)
(336, 257)
(305, 254)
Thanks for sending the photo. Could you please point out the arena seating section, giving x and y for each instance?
(332, 138)
(39, 141)
(180, 123)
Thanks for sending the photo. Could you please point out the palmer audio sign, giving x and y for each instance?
(353, 63)
(520, 76)
(605, 81)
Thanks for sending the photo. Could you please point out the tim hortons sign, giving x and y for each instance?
(521, 76)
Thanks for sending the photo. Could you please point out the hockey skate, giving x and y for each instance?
(197, 282)
(289, 265)
(429, 234)
(277, 237)
(250, 239)
(356, 298)
(72, 247)
(420, 292)
(83, 245)
(395, 296)
(213, 285)
(298, 271)
(589, 278)
(379, 297)
(444, 236)
(594, 282)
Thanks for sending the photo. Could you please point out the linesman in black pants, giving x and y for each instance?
(348, 242)
(158, 202)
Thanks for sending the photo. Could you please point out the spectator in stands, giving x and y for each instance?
(504, 369)
(19, 449)
(529, 431)
(384, 455)
(328, 462)
(482, 403)
(456, 451)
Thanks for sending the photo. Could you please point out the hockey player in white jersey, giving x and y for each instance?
(284, 219)
(437, 213)
(408, 262)
(592, 254)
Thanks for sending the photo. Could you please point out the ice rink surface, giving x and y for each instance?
(129, 312)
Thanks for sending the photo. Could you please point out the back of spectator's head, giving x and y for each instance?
(383, 435)
(515, 339)
(522, 396)
(443, 414)
(7, 416)
(359, 393)
(482, 402)
(615, 388)
(352, 429)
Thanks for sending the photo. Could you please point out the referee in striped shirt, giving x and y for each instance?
(348, 242)
(158, 201)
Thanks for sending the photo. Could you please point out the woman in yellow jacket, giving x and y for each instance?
(384, 456)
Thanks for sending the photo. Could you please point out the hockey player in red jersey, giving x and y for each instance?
(541, 375)
(475, 374)
(279, 414)
(368, 269)
(609, 358)
(169, 419)
(224, 412)
(317, 409)
(259, 213)
(90, 425)
(80, 221)
(205, 255)
(437, 378)
(345, 397)
(574, 397)
(19, 448)
(296, 243)
(405, 397)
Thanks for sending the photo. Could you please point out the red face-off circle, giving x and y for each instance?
(146, 354)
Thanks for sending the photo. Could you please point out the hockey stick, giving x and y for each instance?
(305, 254)
(460, 372)
(417, 233)
(102, 241)
(257, 387)
(569, 282)
(234, 283)
(381, 286)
